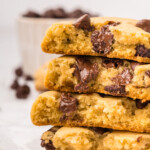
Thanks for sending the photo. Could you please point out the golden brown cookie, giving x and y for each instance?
(92, 110)
(100, 36)
(96, 74)
(75, 138)
(39, 77)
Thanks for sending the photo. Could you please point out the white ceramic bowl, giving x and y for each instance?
(30, 34)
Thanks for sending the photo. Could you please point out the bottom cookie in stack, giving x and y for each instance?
(79, 138)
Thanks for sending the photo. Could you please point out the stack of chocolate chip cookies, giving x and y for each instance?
(101, 87)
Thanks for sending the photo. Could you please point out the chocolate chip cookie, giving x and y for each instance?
(85, 74)
(76, 138)
(100, 36)
(91, 110)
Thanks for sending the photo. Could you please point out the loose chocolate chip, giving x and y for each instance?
(147, 73)
(68, 103)
(111, 63)
(144, 24)
(141, 105)
(83, 23)
(134, 64)
(123, 78)
(116, 90)
(23, 92)
(48, 14)
(15, 85)
(31, 14)
(142, 51)
(85, 71)
(48, 146)
(99, 130)
(19, 72)
(102, 40)
(28, 78)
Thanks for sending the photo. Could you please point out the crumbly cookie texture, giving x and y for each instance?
(102, 36)
(95, 74)
(92, 110)
(76, 138)
(39, 77)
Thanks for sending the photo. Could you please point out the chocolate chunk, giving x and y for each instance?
(134, 64)
(113, 23)
(141, 105)
(142, 51)
(147, 73)
(48, 146)
(32, 14)
(99, 130)
(116, 90)
(111, 63)
(54, 129)
(28, 78)
(102, 40)
(81, 87)
(15, 85)
(23, 91)
(68, 103)
(85, 71)
(83, 23)
(144, 24)
(123, 78)
(19, 72)
(139, 139)
(76, 13)
(49, 14)
(55, 13)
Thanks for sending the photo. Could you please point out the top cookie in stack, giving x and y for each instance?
(101, 36)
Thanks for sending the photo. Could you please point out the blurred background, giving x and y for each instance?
(20, 39)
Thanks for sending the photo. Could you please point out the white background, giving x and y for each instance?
(16, 130)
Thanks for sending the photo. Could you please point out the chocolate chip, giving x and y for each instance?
(48, 146)
(141, 105)
(144, 24)
(147, 73)
(123, 78)
(83, 23)
(113, 23)
(142, 51)
(19, 72)
(116, 90)
(68, 103)
(54, 129)
(15, 85)
(99, 130)
(81, 87)
(23, 91)
(85, 71)
(102, 40)
(111, 63)
(134, 64)
(139, 139)
(31, 14)
(28, 78)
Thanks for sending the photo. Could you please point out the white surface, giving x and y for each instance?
(16, 129)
